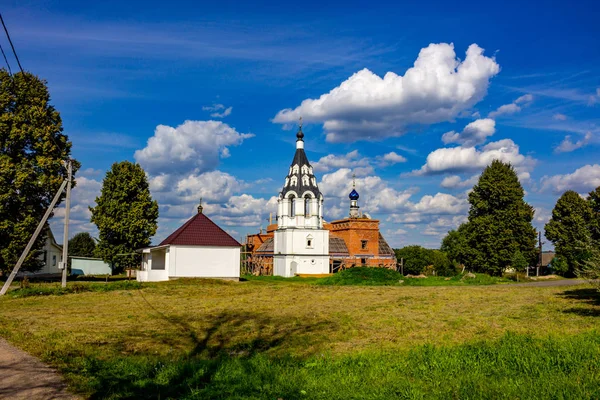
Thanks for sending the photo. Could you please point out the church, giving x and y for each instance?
(300, 242)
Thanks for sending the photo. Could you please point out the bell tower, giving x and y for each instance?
(301, 245)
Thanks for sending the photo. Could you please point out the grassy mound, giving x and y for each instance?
(363, 276)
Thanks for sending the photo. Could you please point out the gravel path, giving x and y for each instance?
(25, 377)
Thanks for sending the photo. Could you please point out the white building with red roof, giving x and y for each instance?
(198, 249)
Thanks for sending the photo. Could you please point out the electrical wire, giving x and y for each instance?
(6, 60)
(11, 43)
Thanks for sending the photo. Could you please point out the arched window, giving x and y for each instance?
(305, 180)
(294, 181)
(292, 211)
(307, 206)
(304, 169)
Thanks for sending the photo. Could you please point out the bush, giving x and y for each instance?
(363, 276)
(559, 266)
(418, 260)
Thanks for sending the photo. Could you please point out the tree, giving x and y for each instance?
(82, 245)
(569, 230)
(455, 245)
(519, 262)
(32, 149)
(594, 203)
(441, 263)
(499, 221)
(125, 215)
(416, 258)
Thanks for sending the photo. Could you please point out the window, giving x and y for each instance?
(363, 261)
(363, 244)
(54, 260)
(309, 242)
(295, 169)
(294, 181)
(304, 169)
(305, 180)
(307, 206)
(292, 200)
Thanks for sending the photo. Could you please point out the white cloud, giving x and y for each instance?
(567, 146)
(223, 114)
(83, 195)
(455, 181)
(559, 117)
(441, 203)
(506, 109)
(332, 161)
(470, 159)
(192, 145)
(513, 107)
(391, 158)
(584, 179)
(365, 106)
(526, 98)
(474, 133)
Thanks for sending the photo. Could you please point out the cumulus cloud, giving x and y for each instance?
(584, 179)
(391, 158)
(83, 195)
(474, 134)
(567, 145)
(193, 145)
(460, 159)
(455, 181)
(365, 106)
(513, 107)
(349, 160)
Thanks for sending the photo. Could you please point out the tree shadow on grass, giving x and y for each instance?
(224, 358)
(588, 296)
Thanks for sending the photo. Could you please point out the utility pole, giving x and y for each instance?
(12, 275)
(65, 254)
(541, 256)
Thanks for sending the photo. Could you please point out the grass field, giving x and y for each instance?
(288, 339)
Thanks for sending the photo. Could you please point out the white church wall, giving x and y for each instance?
(205, 262)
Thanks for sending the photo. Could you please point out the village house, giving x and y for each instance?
(198, 249)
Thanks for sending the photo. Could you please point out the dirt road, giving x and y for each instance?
(25, 377)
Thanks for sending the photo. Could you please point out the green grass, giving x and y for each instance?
(55, 289)
(294, 339)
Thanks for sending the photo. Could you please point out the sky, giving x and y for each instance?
(414, 99)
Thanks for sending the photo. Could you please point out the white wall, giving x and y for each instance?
(204, 262)
(292, 255)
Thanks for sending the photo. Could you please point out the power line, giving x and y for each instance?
(6, 60)
(11, 44)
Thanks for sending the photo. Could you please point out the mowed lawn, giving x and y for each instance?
(287, 340)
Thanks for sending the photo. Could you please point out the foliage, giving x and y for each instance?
(518, 262)
(559, 265)
(499, 222)
(455, 245)
(568, 230)
(415, 259)
(125, 215)
(590, 270)
(363, 276)
(82, 245)
(32, 147)
(594, 203)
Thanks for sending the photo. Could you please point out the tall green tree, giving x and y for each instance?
(32, 148)
(499, 221)
(569, 230)
(594, 203)
(82, 245)
(125, 215)
(455, 245)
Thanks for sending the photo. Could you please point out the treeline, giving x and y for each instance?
(574, 229)
(498, 235)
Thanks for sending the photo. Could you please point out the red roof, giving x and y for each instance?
(200, 231)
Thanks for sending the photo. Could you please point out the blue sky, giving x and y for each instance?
(414, 98)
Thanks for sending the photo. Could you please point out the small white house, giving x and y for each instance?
(89, 266)
(51, 256)
(198, 249)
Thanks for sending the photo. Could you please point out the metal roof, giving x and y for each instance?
(200, 231)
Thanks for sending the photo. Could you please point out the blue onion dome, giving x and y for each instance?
(353, 195)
